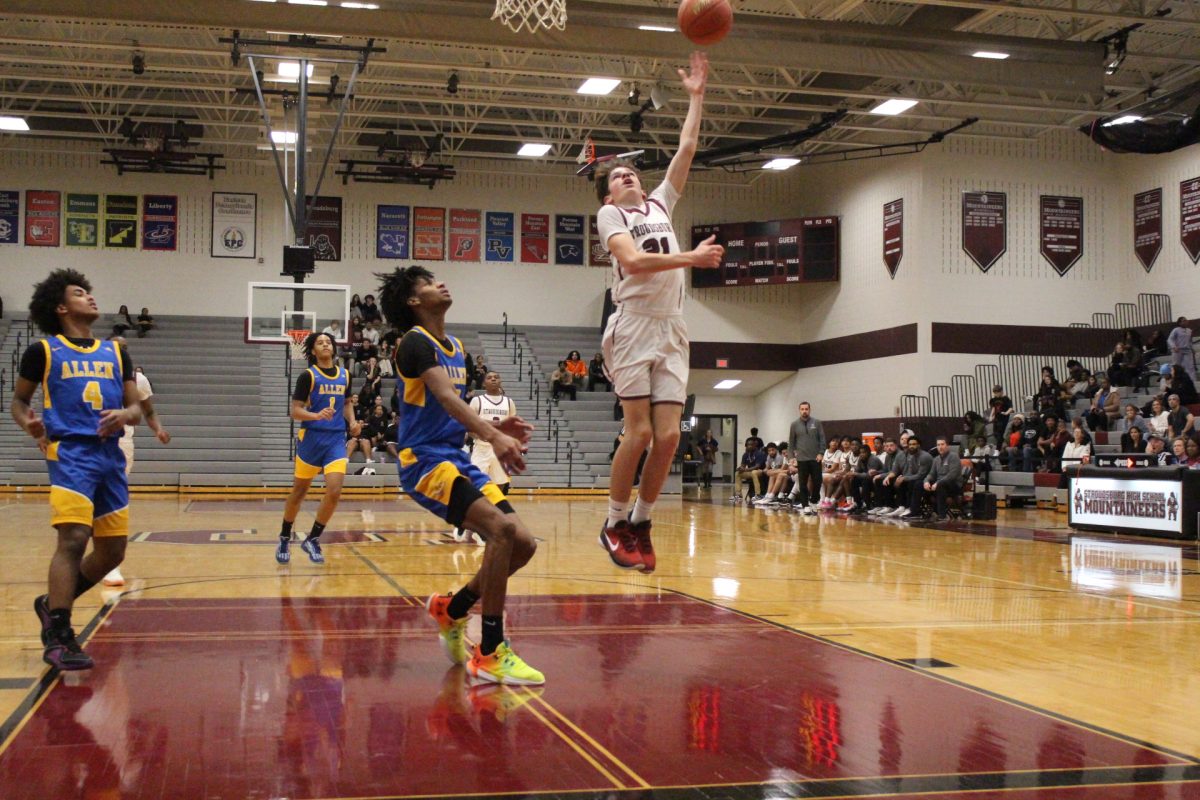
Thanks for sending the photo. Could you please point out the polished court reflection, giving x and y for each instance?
(770, 655)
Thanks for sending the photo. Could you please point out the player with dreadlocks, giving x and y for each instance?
(319, 405)
(434, 470)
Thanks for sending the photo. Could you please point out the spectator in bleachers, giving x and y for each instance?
(145, 323)
(392, 435)
(378, 424)
(1133, 419)
(1158, 419)
(370, 334)
(944, 479)
(577, 367)
(122, 321)
(1156, 345)
(372, 382)
(363, 442)
(1048, 442)
(1180, 421)
(1180, 344)
(385, 360)
(1081, 424)
(1179, 450)
(1182, 385)
(596, 373)
(1050, 396)
(1192, 446)
(754, 460)
(1090, 386)
(1000, 411)
(391, 336)
(1022, 443)
(973, 426)
(1078, 451)
(1157, 449)
(1106, 406)
(981, 449)
(356, 308)
(562, 381)
(1075, 376)
(370, 311)
(1133, 441)
(334, 329)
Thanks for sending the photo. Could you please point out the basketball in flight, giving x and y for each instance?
(705, 22)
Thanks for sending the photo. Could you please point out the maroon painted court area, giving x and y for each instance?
(353, 698)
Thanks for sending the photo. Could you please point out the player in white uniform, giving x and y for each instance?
(145, 392)
(645, 342)
(493, 405)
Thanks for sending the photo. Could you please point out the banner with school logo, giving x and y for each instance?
(160, 222)
(466, 225)
(985, 227)
(1147, 226)
(597, 255)
(42, 212)
(500, 236)
(391, 231)
(1061, 231)
(535, 238)
(234, 219)
(1189, 217)
(325, 228)
(83, 220)
(429, 234)
(10, 216)
(568, 239)
(120, 221)
(893, 235)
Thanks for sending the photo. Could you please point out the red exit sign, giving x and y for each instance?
(722, 363)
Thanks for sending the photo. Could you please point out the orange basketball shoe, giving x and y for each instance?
(451, 632)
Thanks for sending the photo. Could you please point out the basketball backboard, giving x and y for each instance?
(273, 309)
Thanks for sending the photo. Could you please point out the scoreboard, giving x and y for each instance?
(804, 250)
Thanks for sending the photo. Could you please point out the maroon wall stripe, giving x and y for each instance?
(1033, 340)
(859, 347)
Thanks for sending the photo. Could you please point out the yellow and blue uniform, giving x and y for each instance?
(80, 379)
(429, 440)
(322, 442)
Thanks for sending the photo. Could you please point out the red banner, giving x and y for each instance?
(1189, 217)
(1061, 231)
(42, 212)
(597, 255)
(429, 234)
(535, 238)
(466, 226)
(1147, 226)
(893, 235)
(985, 227)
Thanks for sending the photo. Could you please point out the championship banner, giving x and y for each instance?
(391, 231)
(500, 237)
(234, 218)
(597, 255)
(1061, 231)
(985, 227)
(1112, 503)
(893, 235)
(1147, 226)
(120, 221)
(429, 234)
(325, 228)
(160, 222)
(568, 239)
(42, 210)
(465, 227)
(1189, 217)
(10, 216)
(83, 220)
(535, 238)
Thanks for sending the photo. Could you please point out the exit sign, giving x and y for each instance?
(722, 363)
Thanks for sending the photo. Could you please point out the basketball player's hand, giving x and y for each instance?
(325, 413)
(509, 451)
(708, 254)
(34, 425)
(517, 428)
(44, 445)
(112, 422)
(693, 80)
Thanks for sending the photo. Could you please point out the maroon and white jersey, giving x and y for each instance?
(493, 409)
(655, 293)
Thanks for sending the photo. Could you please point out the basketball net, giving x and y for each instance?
(531, 14)
(297, 345)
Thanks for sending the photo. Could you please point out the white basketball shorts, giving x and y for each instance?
(647, 357)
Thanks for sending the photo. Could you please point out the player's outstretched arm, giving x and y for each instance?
(153, 422)
(706, 255)
(693, 81)
(507, 449)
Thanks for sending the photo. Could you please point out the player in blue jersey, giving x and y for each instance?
(319, 405)
(435, 472)
(89, 395)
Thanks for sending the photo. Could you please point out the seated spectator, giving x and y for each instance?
(1158, 419)
(1182, 385)
(1000, 410)
(386, 354)
(1157, 449)
(1133, 441)
(372, 382)
(1081, 424)
(1156, 345)
(1179, 450)
(122, 321)
(775, 471)
(378, 422)
(1180, 421)
(334, 329)
(1075, 376)
(364, 442)
(1078, 451)
(356, 308)
(754, 461)
(1090, 386)
(596, 373)
(1116, 366)
(833, 462)
(1049, 398)
(1133, 419)
(145, 323)
(392, 435)
(481, 370)
(851, 450)
(1052, 438)
(944, 478)
(370, 334)
(862, 482)
(562, 381)
(910, 483)
(577, 367)
(370, 311)
(1023, 443)
(1192, 446)
(1106, 406)
(973, 426)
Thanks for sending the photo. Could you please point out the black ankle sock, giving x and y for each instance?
(461, 602)
(493, 634)
(317, 530)
(82, 584)
(60, 618)
(285, 532)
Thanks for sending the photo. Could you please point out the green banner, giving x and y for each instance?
(83, 220)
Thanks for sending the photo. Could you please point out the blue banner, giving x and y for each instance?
(160, 222)
(568, 239)
(499, 236)
(10, 216)
(391, 231)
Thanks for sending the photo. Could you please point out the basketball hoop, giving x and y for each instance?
(298, 337)
(531, 14)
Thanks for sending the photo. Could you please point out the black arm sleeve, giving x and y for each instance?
(126, 364)
(33, 363)
(349, 386)
(415, 355)
(303, 387)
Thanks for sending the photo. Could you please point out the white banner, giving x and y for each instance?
(1147, 570)
(233, 225)
(1113, 503)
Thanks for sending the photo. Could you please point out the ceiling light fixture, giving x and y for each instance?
(992, 54)
(283, 137)
(367, 6)
(291, 70)
(308, 2)
(659, 28)
(598, 86)
(893, 107)
(728, 383)
(533, 149)
(13, 124)
(780, 164)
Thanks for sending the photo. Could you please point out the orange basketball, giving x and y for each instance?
(705, 22)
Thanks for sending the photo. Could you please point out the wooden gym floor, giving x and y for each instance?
(770, 655)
